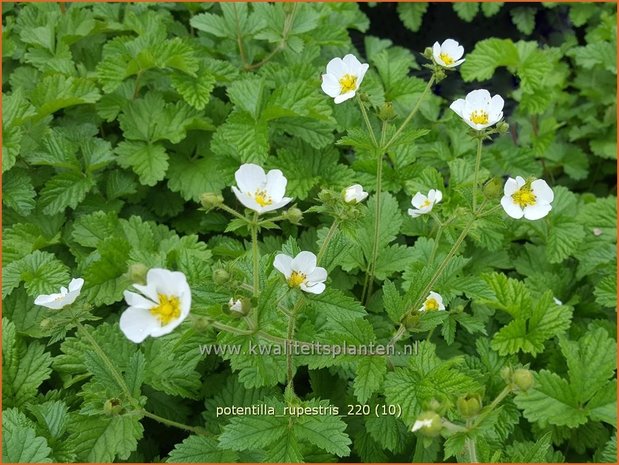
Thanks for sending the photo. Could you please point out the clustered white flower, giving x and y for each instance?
(423, 204)
(343, 77)
(161, 305)
(63, 298)
(302, 272)
(260, 191)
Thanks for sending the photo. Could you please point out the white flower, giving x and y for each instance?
(355, 194)
(421, 424)
(162, 305)
(343, 77)
(478, 109)
(433, 303)
(259, 191)
(529, 199)
(424, 204)
(301, 271)
(448, 54)
(64, 298)
(235, 305)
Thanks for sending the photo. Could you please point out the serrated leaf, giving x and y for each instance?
(149, 161)
(65, 190)
(200, 449)
(20, 443)
(411, 14)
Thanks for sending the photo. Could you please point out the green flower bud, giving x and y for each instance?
(429, 424)
(386, 113)
(468, 406)
(493, 188)
(411, 321)
(200, 324)
(523, 379)
(502, 127)
(506, 374)
(427, 53)
(294, 215)
(220, 276)
(137, 273)
(112, 407)
(211, 200)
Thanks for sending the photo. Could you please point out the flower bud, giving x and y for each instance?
(429, 424)
(220, 276)
(211, 200)
(200, 324)
(506, 374)
(502, 127)
(468, 406)
(386, 113)
(112, 407)
(411, 321)
(294, 215)
(137, 273)
(523, 379)
(493, 188)
(239, 307)
(427, 53)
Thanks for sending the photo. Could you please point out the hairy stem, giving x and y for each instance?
(477, 164)
(292, 321)
(366, 118)
(255, 255)
(472, 450)
(168, 422)
(372, 262)
(411, 114)
(328, 237)
(233, 212)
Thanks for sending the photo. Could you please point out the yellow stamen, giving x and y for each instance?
(296, 279)
(524, 197)
(479, 117)
(262, 198)
(169, 309)
(426, 203)
(431, 304)
(348, 83)
(446, 59)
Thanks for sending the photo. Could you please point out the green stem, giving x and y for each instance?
(123, 385)
(411, 114)
(231, 329)
(367, 121)
(328, 238)
(233, 212)
(437, 239)
(437, 274)
(372, 264)
(502, 395)
(472, 450)
(477, 165)
(255, 255)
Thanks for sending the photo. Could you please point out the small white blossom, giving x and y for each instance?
(421, 424)
(260, 191)
(527, 199)
(478, 109)
(423, 204)
(162, 304)
(433, 303)
(448, 54)
(343, 77)
(62, 299)
(235, 305)
(301, 271)
(355, 194)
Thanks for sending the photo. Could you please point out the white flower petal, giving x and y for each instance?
(352, 63)
(76, 284)
(542, 191)
(51, 301)
(313, 288)
(138, 301)
(250, 177)
(496, 106)
(167, 282)
(162, 330)
(418, 200)
(361, 73)
(304, 262)
(247, 200)
(276, 185)
(318, 275)
(535, 212)
(414, 213)
(275, 205)
(458, 107)
(511, 208)
(343, 97)
(336, 68)
(521, 181)
(283, 264)
(148, 290)
(511, 186)
(328, 87)
(137, 324)
(479, 98)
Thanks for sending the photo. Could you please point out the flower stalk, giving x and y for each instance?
(255, 255)
(476, 179)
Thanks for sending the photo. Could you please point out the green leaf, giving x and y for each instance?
(103, 439)
(57, 91)
(40, 271)
(196, 91)
(488, 55)
(491, 9)
(606, 291)
(466, 11)
(200, 449)
(325, 432)
(253, 432)
(411, 14)
(370, 374)
(18, 192)
(595, 53)
(148, 161)
(191, 177)
(20, 443)
(524, 19)
(65, 190)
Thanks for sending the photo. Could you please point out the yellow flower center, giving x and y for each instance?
(431, 304)
(426, 203)
(262, 198)
(296, 279)
(479, 117)
(348, 83)
(169, 309)
(446, 58)
(524, 197)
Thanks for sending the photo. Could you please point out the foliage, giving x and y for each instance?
(118, 117)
